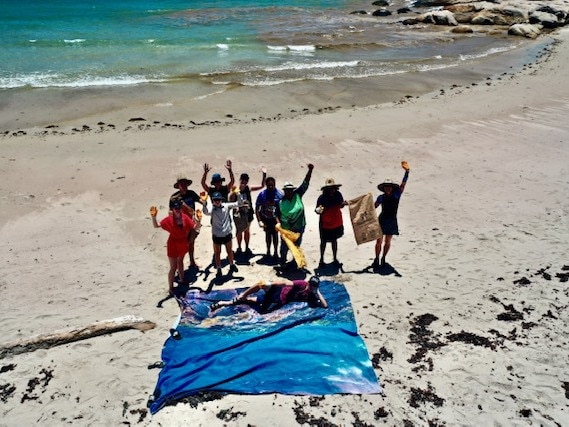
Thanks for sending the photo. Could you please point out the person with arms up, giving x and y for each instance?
(277, 293)
(217, 181)
(221, 228)
(246, 212)
(290, 212)
(179, 225)
(389, 202)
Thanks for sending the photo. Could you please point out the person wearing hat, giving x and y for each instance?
(266, 212)
(221, 228)
(331, 225)
(277, 293)
(179, 225)
(389, 202)
(217, 181)
(290, 212)
(246, 213)
(188, 199)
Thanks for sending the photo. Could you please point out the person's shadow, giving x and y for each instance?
(291, 271)
(268, 260)
(331, 269)
(381, 269)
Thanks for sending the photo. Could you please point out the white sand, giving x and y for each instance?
(486, 205)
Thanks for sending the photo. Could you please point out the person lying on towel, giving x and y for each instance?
(278, 293)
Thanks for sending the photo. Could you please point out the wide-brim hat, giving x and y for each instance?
(187, 181)
(388, 182)
(289, 186)
(216, 196)
(216, 178)
(330, 183)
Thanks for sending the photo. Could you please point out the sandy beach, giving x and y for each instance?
(469, 329)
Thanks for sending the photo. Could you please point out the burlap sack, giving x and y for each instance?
(364, 219)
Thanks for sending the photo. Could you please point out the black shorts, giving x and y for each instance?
(331, 235)
(222, 240)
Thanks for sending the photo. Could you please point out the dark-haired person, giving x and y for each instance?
(217, 185)
(246, 213)
(179, 225)
(188, 198)
(277, 293)
(331, 225)
(389, 202)
(266, 210)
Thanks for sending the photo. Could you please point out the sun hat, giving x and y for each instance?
(289, 186)
(216, 196)
(330, 183)
(216, 178)
(388, 182)
(314, 281)
(187, 181)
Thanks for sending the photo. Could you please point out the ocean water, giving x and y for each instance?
(66, 43)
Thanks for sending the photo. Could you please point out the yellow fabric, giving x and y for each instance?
(289, 238)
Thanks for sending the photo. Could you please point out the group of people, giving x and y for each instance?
(231, 206)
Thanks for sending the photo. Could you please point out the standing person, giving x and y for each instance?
(188, 199)
(331, 225)
(245, 194)
(389, 202)
(290, 212)
(221, 228)
(178, 224)
(266, 212)
(217, 181)
(278, 293)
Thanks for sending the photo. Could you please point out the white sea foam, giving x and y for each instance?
(197, 98)
(489, 52)
(71, 41)
(222, 46)
(317, 65)
(292, 48)
(57, 80)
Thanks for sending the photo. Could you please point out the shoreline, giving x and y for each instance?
(185, 105)
(481, 255)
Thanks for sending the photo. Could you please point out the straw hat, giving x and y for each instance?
(330, 183)
(289, 186)
(182, 180)
(388, 182)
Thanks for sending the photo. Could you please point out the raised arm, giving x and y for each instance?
(304, 186)
(405, 166)
(153, 213)
(206, 169)
(229, 168)
(258, 187)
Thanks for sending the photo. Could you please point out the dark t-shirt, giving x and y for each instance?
(190, 198)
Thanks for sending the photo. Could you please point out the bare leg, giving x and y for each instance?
(239, 240)
(335, 250)
(247, 236)
(229, 250)
(180, 268)
(217, 255)
(322, 250)
(191, 247)
(386, 247)
(172, 273)
(378, 243)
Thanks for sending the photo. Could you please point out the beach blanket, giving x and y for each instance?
(289, 237)
(295, 350)
(364, 220)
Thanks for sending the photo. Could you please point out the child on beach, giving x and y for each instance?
(221, 228)
(389, 202)
(179, 225)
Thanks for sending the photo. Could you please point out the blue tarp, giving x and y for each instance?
(294, 350)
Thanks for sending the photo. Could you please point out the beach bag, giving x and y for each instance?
(364, 220)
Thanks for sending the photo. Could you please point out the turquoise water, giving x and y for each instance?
(64, 43)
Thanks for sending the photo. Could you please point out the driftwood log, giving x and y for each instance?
(68, 335)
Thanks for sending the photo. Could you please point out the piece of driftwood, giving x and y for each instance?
(68, 335)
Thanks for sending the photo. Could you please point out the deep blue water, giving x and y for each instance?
(69, 43)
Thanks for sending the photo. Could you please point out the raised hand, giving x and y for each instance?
(310, 166)
(153, 211)
(228, 165)
(206, 168)
(405, 165)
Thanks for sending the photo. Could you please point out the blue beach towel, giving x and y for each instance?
(294, 350)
